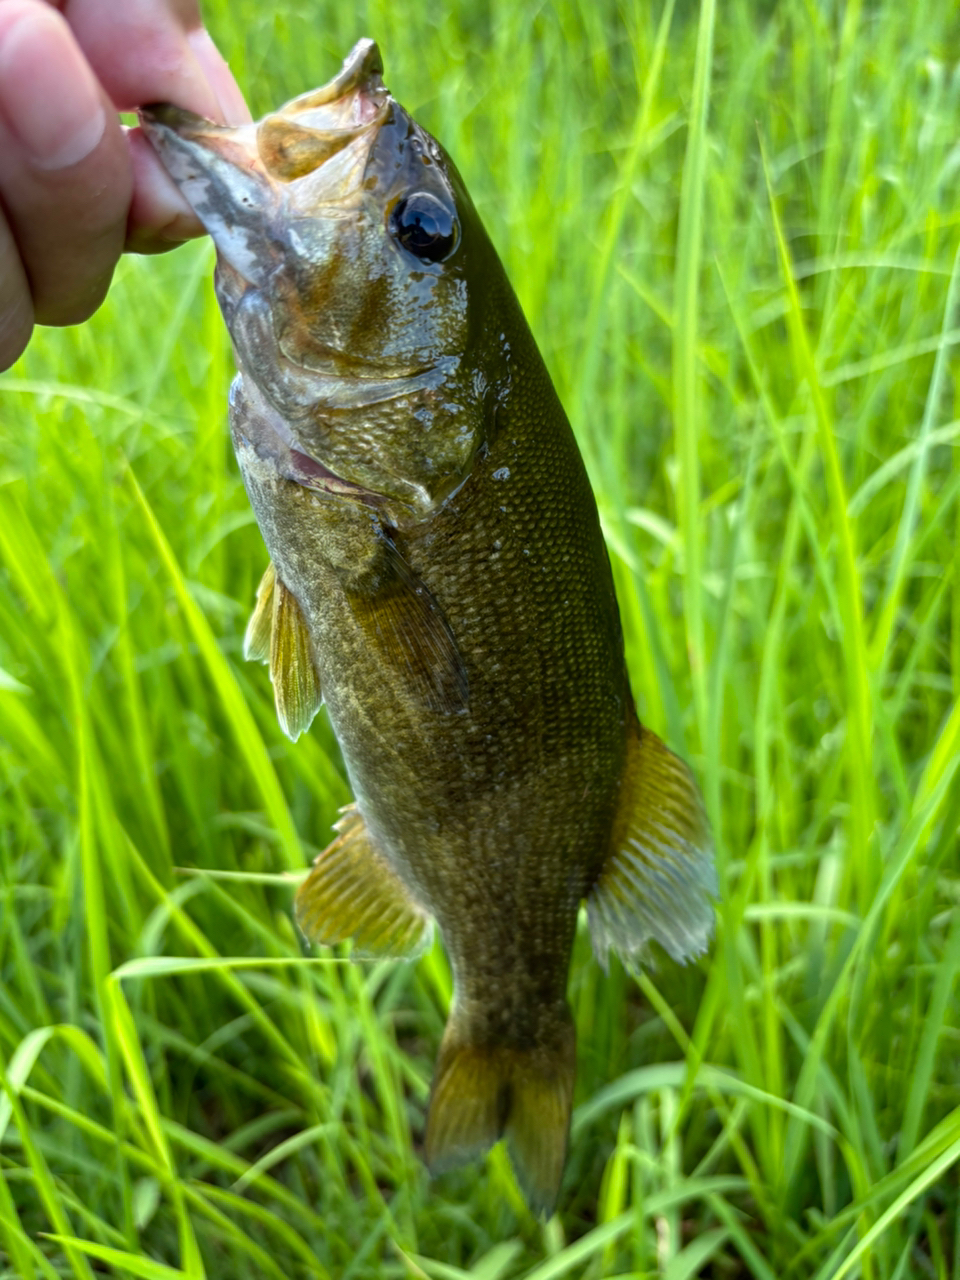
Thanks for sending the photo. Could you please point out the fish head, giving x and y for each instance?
(347, 250)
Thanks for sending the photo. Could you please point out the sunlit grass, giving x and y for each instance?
(736, 239)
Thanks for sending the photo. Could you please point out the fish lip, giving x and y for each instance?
(169, 116)
(362, 71)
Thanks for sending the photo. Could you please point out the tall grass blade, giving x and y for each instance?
(687, 401)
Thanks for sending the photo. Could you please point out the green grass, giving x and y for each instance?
(734, 232)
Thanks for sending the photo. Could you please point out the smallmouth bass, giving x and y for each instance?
(439, 579)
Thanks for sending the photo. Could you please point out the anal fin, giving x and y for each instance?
(353, 893)
(659, 876)
(277, 633)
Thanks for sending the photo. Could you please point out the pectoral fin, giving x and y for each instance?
(353, 892)
(406, 626)
(659, 876)
(256, 641)
(277, 633)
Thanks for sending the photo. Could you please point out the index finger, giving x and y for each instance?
(155, 51)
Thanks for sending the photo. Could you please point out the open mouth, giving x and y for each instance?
(313, 149)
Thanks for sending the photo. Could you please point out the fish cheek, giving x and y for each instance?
(351, 295)
(313, 308)
(408, 317)
(370, 317)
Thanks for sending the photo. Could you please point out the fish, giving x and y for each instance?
(438, 579)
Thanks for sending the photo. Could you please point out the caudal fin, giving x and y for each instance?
(482, 1093)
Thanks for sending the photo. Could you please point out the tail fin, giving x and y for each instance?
(484, 1092)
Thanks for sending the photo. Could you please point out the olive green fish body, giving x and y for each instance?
(497, 812)
(439, 578)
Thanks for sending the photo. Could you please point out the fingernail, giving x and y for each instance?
(49, 97)
(219, 77)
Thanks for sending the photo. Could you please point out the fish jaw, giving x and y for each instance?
(210, 165)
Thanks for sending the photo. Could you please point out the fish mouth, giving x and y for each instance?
(311, 152)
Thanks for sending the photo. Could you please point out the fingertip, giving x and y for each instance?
(158, 52)
(233, 107)
(16, 307)
(49, 97)
(15, 334)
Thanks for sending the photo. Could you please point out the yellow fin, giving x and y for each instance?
(277, 633)
(538, 1126)
(659, 877)
(256, 641)
(296, 685)
(468, 1104)
(406, 626)
(484, 1092)
(353, 892)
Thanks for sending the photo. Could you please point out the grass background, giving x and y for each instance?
(735, 234)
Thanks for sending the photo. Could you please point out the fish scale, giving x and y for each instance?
(438, 572)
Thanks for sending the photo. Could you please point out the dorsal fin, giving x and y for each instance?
(277, 633)
(353, 892)
(659, 876)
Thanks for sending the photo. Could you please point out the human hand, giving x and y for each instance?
(75, 187)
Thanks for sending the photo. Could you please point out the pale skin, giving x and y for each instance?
(76, 188)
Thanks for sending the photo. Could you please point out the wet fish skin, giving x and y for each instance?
(438, 571)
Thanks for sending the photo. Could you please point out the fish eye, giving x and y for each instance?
(425, 227)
